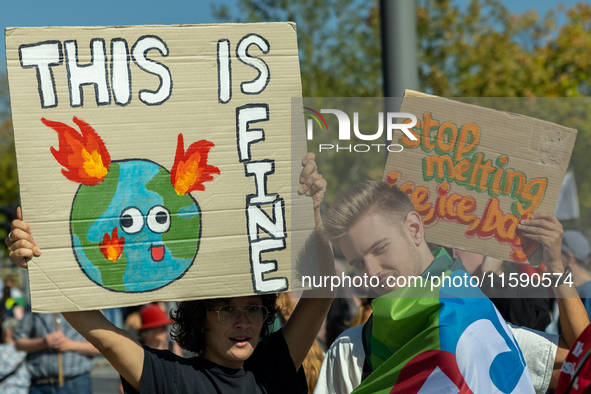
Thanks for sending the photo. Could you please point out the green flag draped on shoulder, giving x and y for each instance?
(449, 339)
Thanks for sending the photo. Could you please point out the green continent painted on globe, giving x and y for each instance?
(133, 232)
(134, 225)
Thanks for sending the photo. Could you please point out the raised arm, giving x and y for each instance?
(546, 229)
(123, 352)
(301, 329)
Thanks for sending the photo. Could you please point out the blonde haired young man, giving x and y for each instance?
(381, 234)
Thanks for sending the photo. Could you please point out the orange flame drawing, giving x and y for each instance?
(112, 246)
(85, 157)
(190, 168)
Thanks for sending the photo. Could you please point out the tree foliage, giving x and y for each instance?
(475, 49)
(340, 56)
(339, 51)
(485, 51)
(9, 183)
(8, 174)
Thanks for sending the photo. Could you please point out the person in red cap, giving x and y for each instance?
(154, 330)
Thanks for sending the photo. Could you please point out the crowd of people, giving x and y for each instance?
(451, 339)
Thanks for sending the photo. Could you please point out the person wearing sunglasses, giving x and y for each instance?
(231, 336)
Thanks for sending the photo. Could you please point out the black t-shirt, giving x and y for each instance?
(269, 370)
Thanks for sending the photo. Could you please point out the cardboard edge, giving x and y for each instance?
(536, 260)
(12, 28)
(414, 94)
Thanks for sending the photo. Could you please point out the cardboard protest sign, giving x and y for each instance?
(473, 173)
(155, 162)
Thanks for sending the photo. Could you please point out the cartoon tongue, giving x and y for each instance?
(157, 252)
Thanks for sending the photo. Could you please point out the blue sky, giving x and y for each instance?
(147, 12)
(23, 13)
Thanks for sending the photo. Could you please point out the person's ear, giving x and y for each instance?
(414, 224)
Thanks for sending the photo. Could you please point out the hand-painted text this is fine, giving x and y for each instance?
(110, 74)
(110, 69)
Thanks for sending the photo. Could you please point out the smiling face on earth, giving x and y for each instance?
(150, 235)
(134, 226)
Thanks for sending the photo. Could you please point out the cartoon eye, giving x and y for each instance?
(132, 220)
(158, 219)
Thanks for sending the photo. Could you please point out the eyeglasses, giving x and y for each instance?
(229, 314)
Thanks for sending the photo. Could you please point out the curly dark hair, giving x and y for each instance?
(189, 330)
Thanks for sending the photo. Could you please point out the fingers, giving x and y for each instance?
(309, 168)
(55, 339)
(319, 184)
(18, 230)
(19, 234)
(309, 156)
(534, 230)
(540, 234)
(65, 346)
(20, 225)
(312, 183)
(544, 228)
(22, 256)
(542, 221)
(59, 334)
(21, 244)
(546, 215)
(541, 224)
(55, 335)
(310, 180)
(21, 247)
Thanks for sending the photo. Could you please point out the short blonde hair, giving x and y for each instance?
(362, 199)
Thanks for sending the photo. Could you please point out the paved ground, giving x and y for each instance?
(105, 380)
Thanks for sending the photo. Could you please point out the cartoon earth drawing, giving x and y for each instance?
(133, 224)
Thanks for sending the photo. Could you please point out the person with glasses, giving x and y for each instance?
(231, 335)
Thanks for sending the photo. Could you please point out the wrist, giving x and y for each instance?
(566, 276)
(66, 346)
(555, 268)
